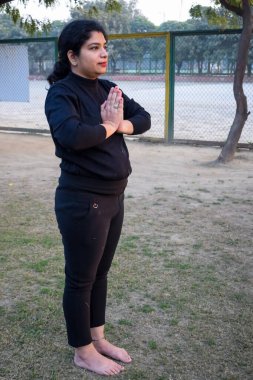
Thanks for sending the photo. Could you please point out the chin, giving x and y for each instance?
(102, 72)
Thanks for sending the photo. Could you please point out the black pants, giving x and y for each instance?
(90, 226)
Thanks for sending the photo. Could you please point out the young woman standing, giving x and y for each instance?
(87, 118)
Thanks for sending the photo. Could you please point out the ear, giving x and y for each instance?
(72, 58)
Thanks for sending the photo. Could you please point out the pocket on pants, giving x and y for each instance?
(72, 204)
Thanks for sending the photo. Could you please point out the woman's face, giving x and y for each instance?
(92, 60)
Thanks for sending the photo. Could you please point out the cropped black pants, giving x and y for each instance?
(90, 226)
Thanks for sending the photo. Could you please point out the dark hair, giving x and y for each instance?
(72, 37)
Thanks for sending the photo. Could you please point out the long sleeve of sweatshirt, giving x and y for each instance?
(63, 113)
(136, 115)
(73, 111)
(65, 116)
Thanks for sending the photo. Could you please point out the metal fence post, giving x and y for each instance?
(172, 87)
(169, 87)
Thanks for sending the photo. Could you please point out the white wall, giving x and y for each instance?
(14, 72)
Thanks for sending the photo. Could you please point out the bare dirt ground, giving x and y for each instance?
(154, 165)
(181, 284)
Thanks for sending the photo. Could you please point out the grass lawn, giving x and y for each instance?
(180, 287)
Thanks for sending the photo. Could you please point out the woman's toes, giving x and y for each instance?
(95, 362)
(106, 348)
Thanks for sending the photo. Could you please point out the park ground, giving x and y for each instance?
(180, 287)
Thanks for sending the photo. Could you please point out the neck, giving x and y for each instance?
(77, 72)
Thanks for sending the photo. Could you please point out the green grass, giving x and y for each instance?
(178, 295)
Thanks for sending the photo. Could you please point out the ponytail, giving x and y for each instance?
(60, 71)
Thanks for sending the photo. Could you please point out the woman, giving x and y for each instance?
(87, 118)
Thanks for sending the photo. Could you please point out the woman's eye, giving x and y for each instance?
(97, 47)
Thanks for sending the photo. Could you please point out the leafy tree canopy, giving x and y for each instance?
(128, 20)
(222, 12)
(32, 25)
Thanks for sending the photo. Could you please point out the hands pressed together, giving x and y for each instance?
(112, 113)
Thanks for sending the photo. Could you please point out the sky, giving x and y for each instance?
(159, 11)
(156, 11)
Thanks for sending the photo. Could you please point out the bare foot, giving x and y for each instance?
(106, 348)
(89, 358)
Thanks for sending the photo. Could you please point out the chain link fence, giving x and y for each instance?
(137, 63)
(204, 104)
(184, 79)
(38, 55)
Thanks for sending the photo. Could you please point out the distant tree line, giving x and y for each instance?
(198, 54)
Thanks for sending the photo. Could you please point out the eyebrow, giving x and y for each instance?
(96, 43)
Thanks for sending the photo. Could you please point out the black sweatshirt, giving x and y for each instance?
(90, 161)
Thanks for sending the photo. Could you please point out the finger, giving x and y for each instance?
(103, 106)
(110, 94)
(118, 97)
(116, 93)
(116, 88)
(121, 103)
(114, 98)
(113, 91)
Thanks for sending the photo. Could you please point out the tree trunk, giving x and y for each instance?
(229, 149)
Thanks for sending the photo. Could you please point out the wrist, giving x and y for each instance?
(111, 123)
(110, 127)
(126, 127)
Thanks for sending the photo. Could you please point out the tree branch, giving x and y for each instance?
(2, 2)
(232, 8)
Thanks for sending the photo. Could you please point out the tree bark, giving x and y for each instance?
(4, 1)
(229, 149)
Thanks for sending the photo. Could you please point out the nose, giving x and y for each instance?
(104, 52)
